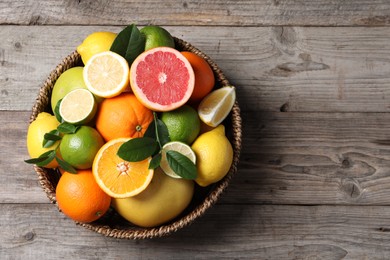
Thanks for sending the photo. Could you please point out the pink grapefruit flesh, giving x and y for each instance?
(162, 79)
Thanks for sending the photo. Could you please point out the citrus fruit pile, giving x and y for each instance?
(135, 128)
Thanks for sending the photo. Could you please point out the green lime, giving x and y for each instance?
(79, 149)
(180, 147)
(69, 80)
(156, 36)
(183, 124)
(78, 107)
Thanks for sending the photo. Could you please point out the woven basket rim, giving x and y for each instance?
(48, 183)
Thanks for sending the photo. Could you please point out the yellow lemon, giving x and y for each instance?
(214, 156)
(43, 124)
(94, 43)
(106, 74)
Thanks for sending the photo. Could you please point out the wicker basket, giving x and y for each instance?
(112, 225)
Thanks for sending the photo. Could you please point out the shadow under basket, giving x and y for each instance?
(113, 225)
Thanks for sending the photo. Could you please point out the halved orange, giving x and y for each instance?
(117, 177)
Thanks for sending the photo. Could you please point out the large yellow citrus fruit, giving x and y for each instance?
(43, 124)
(214, 155)
(94, 43)
(163, 200)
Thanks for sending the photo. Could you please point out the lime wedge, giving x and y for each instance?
(180, 147)
(78, 107)
(216, 106)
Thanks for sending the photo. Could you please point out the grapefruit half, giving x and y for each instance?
(162, 79)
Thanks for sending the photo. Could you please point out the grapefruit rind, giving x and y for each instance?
(156, 85)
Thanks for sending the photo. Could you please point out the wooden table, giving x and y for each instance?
(313, 83)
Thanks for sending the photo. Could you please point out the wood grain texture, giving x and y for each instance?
(225, 232)
(274, 69)
(182, 12)
(287, 158)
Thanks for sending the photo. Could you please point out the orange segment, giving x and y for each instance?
(117, 177)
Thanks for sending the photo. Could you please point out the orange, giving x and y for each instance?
(117, 177)
(80, 198)
(204, 76)
(122, 116)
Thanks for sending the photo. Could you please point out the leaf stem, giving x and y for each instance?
(156, 129)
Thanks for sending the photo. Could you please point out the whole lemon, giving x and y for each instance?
(43, 124)
(183, 124)
(163, 200)
(214, 156)
(79, 149)
(70, 80)
(94, 43)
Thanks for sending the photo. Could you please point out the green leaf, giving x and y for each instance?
(65, 166)
(50, 138)
(43, 159)
(151, 131)
(57, 111)
(181, 165)
(129, 43)
(137, 149)
(162, 132)
(155, 162)
(67, 128)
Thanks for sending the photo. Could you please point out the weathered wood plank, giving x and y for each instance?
(287, 158)
(19, 181)
(313, 158)
(173, 12)
(288, 69)
(39, 231)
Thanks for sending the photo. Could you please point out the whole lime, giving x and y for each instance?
(79, 149)
(164, 199)
(183, 124)
(69, 80)
(43, 124)
(156, 36)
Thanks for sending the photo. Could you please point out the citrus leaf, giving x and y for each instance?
(50, 138)
(137, 149)
(67, 128)
(129, 43)
(181, 165)
(155, 162)
(162, 131)
(57, 111)
(43, 159)
(150, 131)
(65, 166)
